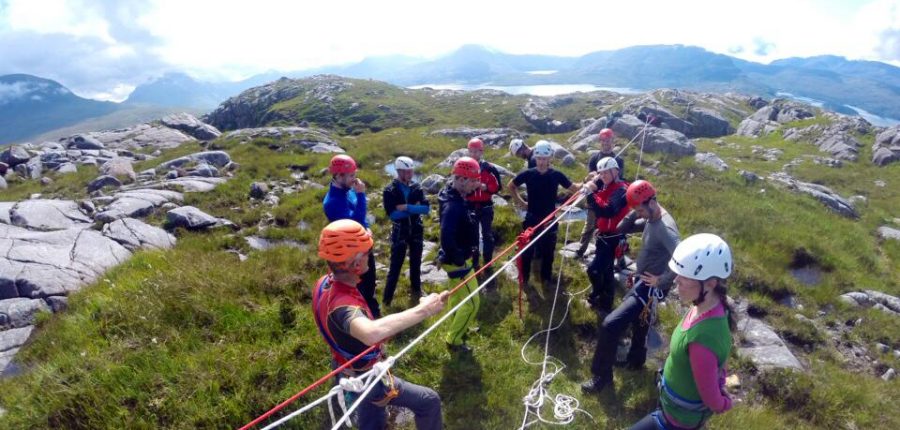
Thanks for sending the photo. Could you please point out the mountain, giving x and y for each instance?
(30, 105)
(183, 91)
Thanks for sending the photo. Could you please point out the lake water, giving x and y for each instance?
(535, 90)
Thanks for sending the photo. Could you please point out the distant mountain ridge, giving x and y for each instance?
(30, 105)
(835, 81)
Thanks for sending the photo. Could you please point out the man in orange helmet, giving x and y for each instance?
(459, 237)
(349, 327)
(638, 308)
(346, 199)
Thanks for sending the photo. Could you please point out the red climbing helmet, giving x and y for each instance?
(639, 192)
(341, 163)
(467, 167)
(476, 143)
(606, 134)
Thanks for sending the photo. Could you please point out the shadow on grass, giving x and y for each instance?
(462, 392)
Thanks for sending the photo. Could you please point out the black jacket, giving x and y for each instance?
(459, 228)
(393, 196)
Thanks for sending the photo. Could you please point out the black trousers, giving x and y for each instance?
(366, 287)
(400, 243)
(627, 314)
(485, 216)
(601, 274)
(545, 249)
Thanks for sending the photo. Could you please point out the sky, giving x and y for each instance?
(103, 49)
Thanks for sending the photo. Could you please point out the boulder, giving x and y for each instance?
(215, 158)
(103, 181)
(873, 299)
(708, 123)
(125, 207)
(258, 190)
(762, 346)
(888, 233)
(139, 136)
(20, 312)
(14, 155)
(657, 139)
(822, 193)
(15, 337)
(886, 149)
(120, 168)
(433, 183)
(205, 170)
(134, 234)
(712, 160)
(539, 114)
(32, 169)
(191, 125)
(455, 155)
(48, 215)
(80, 141)
(67, 168)
(749, 177)
(190, 218)
(590, 130)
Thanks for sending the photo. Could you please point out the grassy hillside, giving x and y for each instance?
(194, 338)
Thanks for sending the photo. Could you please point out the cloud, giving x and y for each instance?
(888, 46)
(761, 47)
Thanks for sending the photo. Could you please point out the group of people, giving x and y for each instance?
(349, 317)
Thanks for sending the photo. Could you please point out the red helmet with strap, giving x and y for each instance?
(476, 143)
(341, 163)
(467, 167)
(639, 192)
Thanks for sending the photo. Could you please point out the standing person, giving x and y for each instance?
(349, 327)
(692, 385)
(405, 203)
(606, 137)
(518, 148)
(482, 203)
(346, 199)
(609, 206)
(459, 238)
(542, 183)
(638, 309)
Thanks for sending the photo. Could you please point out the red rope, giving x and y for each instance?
(334, 372)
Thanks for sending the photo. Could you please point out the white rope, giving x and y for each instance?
(564, 406)
(459, 305)
(637, 171)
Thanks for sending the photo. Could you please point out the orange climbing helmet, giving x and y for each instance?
(476, 143)
(467, 167)
(639, 192)
(341, 163)
(343, 239)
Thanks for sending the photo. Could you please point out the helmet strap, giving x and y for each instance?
(701, 297)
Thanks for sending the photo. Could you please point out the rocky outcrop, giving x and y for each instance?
(769, 118)
(134, 204)
(189, 124)
(48, 215)
(539, 114)
(311, 139)
(134, 234)
(888, 233)
(490, 136)
(886, 149)
(433, 183)
(836, 138)
(822, 193)
(873, 299)
(136, 137)
(119, 168)
(690, 113)
(14, 155)
(657, 140)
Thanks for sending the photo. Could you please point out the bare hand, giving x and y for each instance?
(402, 207)
(434, 303)
(359, 186)
(650, 279)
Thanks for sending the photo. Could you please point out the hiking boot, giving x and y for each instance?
(594, 385)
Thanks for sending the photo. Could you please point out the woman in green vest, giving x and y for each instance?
(691, 388)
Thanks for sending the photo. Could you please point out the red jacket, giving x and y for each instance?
(490, 176)
(329, 295)
(612, 201)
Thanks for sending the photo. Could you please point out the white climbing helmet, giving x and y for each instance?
(403, 163)
(543, 149)
(515, 145)
(701, 257)
(607, 163)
